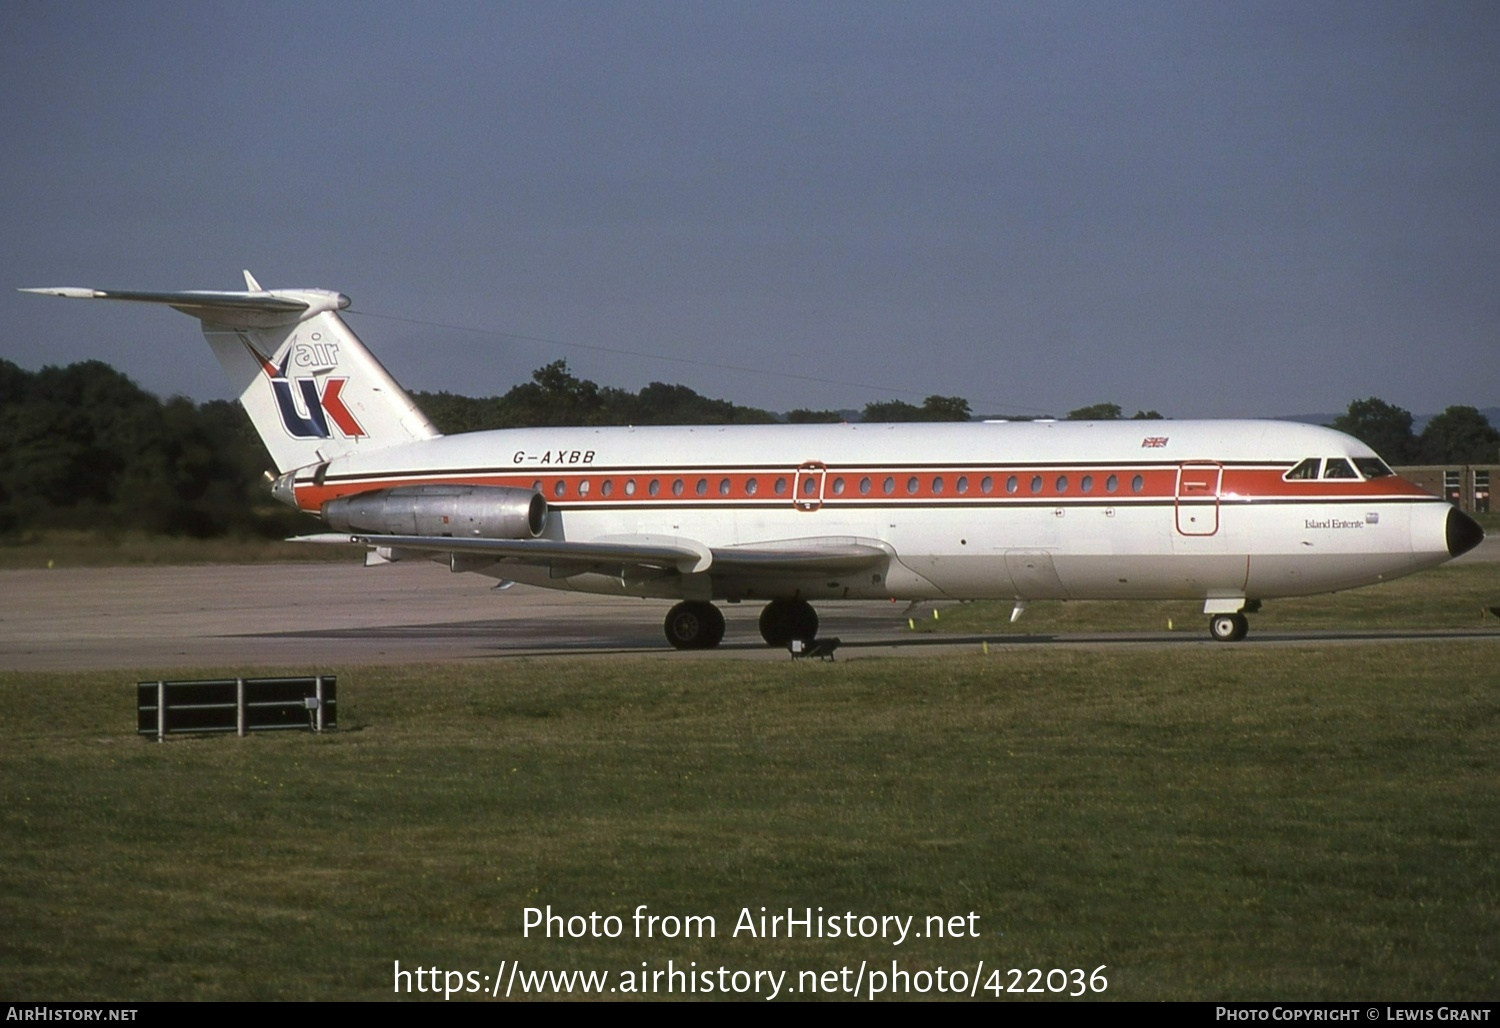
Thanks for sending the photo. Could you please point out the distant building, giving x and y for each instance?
(1466, 486)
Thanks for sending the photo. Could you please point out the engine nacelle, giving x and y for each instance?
(460, 511)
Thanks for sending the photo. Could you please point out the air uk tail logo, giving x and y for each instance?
(307, 407)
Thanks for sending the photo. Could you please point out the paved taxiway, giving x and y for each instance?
(327, 614)
(321, 615)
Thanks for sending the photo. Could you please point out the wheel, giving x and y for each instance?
(785, 620)
(714, 623)
(1228, 628)
(694, 625)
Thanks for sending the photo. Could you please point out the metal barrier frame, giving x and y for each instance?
(319, 698)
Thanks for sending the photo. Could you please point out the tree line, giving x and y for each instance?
(1459, 435)
(557, 397)
(84, 447)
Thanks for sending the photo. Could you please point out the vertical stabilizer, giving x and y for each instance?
(309, 385)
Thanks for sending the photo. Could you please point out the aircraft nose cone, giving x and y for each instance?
(1464, 533)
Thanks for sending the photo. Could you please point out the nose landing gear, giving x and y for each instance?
(1228, 627)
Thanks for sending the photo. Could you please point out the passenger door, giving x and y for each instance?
(1197, 506)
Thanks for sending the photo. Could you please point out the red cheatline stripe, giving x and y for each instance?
(907, 486)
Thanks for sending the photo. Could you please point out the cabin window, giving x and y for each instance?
(889, 485)
(1373, 467)
(838, 487)
(559, 487)
(864, 485)
(986, 485)
(781, 487)
(702, 487)
(1337, 467)
(809, 486)
(751, 486)
(1137, 484)
(1036, 483)
(630, 487)
(607, 487)
(723, 487)
(1111, 483)
(937, 486)
(1062, 483)
(1086, 483)
(1305, 470)
(912, 485)
(962, 485)
(654, 488)
(583, 487)
(1012, 484)
(678, 487)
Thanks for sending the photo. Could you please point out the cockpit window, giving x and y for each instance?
(1372, 467)
(1306, 469)
(1337, 467)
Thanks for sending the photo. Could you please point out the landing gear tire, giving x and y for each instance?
(1228, 628)
(785, 620)
(694, 625)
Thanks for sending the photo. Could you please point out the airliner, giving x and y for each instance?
(1229, 513)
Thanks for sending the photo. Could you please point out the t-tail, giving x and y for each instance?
(311, 388)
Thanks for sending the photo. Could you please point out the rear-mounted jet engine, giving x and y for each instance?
(457, 511)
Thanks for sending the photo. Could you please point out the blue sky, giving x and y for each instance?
(1207, 209)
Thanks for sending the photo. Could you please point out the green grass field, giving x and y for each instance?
(1210, 823)
(115, 549)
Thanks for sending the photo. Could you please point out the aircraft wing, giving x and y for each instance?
(614, 556)
(831, 555)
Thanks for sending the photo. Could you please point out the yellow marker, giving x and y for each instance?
(986, 647)
(1169, 624)
(934, 615)
(911, 623)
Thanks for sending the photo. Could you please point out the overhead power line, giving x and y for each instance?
(694, 362)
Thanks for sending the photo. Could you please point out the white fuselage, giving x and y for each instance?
(1023, 510)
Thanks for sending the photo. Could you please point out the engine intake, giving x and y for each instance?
(460, 511)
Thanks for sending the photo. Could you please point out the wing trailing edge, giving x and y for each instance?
(839, 555)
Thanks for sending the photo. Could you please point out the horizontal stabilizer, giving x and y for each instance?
(188, 300)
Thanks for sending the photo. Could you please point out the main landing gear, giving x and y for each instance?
(699, 625)
(785, 620)
(694, 625)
